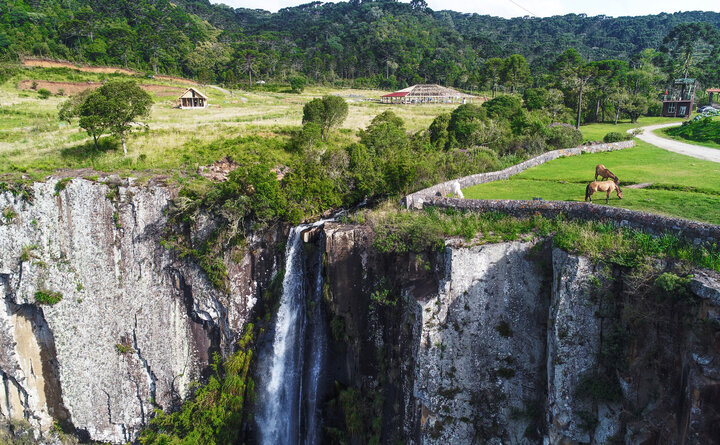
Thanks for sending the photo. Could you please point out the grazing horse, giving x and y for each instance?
(604, 186)
(604, 173)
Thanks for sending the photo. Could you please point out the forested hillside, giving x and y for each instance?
(369, 43)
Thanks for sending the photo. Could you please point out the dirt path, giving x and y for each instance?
(696, 151)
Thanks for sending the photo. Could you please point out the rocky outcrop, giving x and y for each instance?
(481, 364)
(521, 343)
(135, 324)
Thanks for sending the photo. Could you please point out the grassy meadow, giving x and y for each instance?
(679, 185)
(34, 141)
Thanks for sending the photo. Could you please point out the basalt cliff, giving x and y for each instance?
(514, 342)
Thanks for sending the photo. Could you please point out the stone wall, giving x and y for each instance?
(694, 231)
(417, 199)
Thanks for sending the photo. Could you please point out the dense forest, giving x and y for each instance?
(361, 43)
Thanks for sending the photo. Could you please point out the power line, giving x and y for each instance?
(522, 7)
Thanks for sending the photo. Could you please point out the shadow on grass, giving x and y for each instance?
(87, 150)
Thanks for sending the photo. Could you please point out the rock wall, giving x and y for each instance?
(519, 342)
(135, 325)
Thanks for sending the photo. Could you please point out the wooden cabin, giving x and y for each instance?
(430, 93)
(679, 99)
(193, 99)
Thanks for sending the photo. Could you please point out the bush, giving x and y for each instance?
(48, 297)
(616, 136)
(44, 93)
(503, 107)
(564, 136)
(297, 84)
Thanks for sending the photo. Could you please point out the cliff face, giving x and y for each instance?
(522, 343)
(512, 342)
(135, 325)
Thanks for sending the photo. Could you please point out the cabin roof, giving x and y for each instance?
(192, 92)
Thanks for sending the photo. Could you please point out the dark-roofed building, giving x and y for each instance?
(678, 100)
(193, 98)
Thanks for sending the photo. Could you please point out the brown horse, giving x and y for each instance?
(604, 173)
(604, 186)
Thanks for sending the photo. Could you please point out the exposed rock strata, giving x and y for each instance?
(494, 343)
(135, 325)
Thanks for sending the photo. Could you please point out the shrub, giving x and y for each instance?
(123, 348)
(61, 184)
(564, 136)
(297, 84)
(503, 107)
(504, 329)
(48, 297)
(616, 136)
(44, 93)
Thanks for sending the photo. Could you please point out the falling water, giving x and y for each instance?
(281, 418)
(317, 346)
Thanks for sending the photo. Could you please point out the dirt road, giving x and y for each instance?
(696, 151)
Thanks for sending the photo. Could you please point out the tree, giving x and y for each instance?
(575, 74)
(328, 112)
(685, 42)
(297, 84)
(503, 107)
(70, 109)
(114, 107)
(493, 68)
(535, 98)
(385, 133)
(515, 71)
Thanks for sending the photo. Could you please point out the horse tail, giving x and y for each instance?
(587, 192)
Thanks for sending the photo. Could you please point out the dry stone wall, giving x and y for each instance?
(416, 200)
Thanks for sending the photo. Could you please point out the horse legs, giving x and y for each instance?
(607, 197)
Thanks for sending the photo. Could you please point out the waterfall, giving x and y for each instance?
(317, 348)
(288, 392)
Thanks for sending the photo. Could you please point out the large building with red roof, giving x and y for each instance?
(426, 93)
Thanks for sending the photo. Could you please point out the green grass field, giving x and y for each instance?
(681, 186)
(34, 141)
(663, 132)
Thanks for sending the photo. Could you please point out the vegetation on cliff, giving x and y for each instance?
(215, 413)
(400, 231)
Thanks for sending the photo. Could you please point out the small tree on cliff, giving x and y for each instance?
(113, 108)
